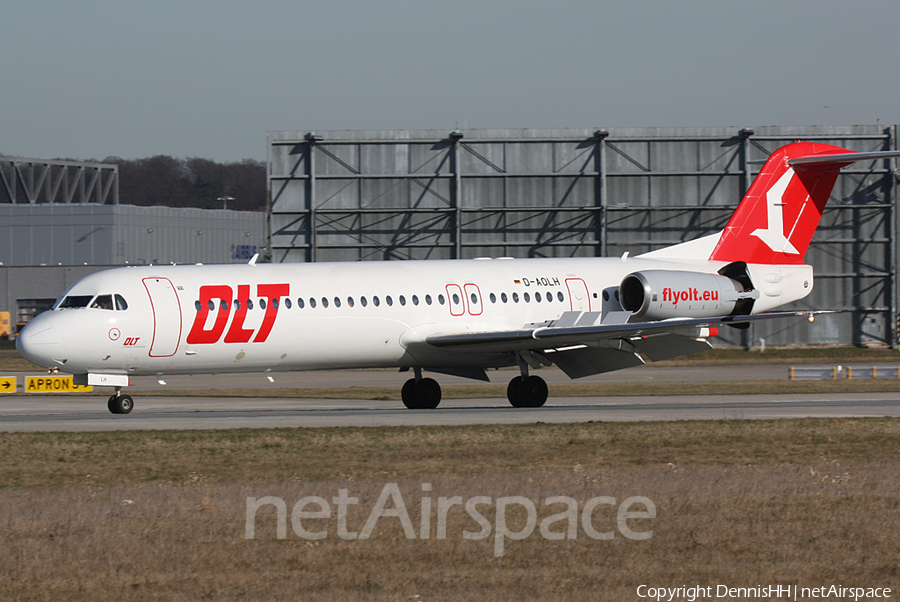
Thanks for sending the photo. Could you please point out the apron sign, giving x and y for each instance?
(7, 384)
(53, 384)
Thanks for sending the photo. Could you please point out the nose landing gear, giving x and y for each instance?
(120, 404)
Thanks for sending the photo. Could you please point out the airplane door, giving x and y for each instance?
(579, 298)
(166, 316)
(456, 300)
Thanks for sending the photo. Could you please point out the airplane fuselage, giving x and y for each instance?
(283, 317)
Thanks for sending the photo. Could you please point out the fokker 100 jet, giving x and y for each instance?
(460, 317)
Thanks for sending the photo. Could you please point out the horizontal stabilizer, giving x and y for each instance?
(843, 158)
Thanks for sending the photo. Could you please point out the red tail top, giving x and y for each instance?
(777, 217)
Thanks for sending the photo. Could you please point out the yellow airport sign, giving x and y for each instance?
(7, 384)
(53, 384)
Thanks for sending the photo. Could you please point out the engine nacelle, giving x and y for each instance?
(662, 294)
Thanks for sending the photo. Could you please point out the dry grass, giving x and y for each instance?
(738, 502)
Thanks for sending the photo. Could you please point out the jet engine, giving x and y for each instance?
(662, 294)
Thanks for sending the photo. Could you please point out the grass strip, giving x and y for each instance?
(276, 455)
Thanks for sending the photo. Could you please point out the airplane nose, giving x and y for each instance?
(38, 342)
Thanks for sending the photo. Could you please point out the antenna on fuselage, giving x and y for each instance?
(253, 259)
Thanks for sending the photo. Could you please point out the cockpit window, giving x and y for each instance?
(73, 301)
(121, 305)
(102, 302)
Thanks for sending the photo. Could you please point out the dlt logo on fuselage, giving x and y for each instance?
(226, 302)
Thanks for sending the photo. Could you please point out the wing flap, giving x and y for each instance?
(665, 346)
(549, 336)
(587, 361)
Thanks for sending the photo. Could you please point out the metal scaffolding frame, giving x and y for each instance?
(578, 192)
(40, 181)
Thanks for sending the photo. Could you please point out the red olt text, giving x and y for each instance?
(224, 307)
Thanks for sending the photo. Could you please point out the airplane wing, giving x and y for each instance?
(582, 348)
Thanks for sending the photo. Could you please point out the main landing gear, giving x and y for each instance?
(523, 391)
(120, 404)
(526, 391)
(421, 393)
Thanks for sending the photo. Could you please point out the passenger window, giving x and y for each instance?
(527, 298)
(427, 299)
(515, 297)
(503, 297)
(210, 305)
(549, 297)
(493, 298)
(223, 305)
(388, 300)
(560, 296)
(121, 305)
(262, 303)
(349, 301)
(402, 300)
(312, 302)
(236, 305)
(300, 303)
(376, 301)
(249, 303)
(537, 297)
(441, 299)
(197, 305)
(363, 301)
(337, 301)
(455, 299)
(325, 302)
(415, 300)
(287, 303)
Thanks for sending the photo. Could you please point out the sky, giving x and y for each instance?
(208, 78)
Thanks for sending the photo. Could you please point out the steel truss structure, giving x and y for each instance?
(40, 181)
(426, 194)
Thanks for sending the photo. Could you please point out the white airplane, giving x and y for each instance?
(586, 315)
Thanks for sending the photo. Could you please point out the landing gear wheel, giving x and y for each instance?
(428, 392)
(422, 395)
(408, 394)
(528, 392)
(120, 404)
(512, 392)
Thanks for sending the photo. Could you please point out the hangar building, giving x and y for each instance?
(442, 194)
(61, 220)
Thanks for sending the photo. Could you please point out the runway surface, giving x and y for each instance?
(89, 412)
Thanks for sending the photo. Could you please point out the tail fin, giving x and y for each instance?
(779, 214)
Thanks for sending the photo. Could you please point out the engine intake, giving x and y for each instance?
(662, 294)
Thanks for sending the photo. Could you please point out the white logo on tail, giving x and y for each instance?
(773, 236)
